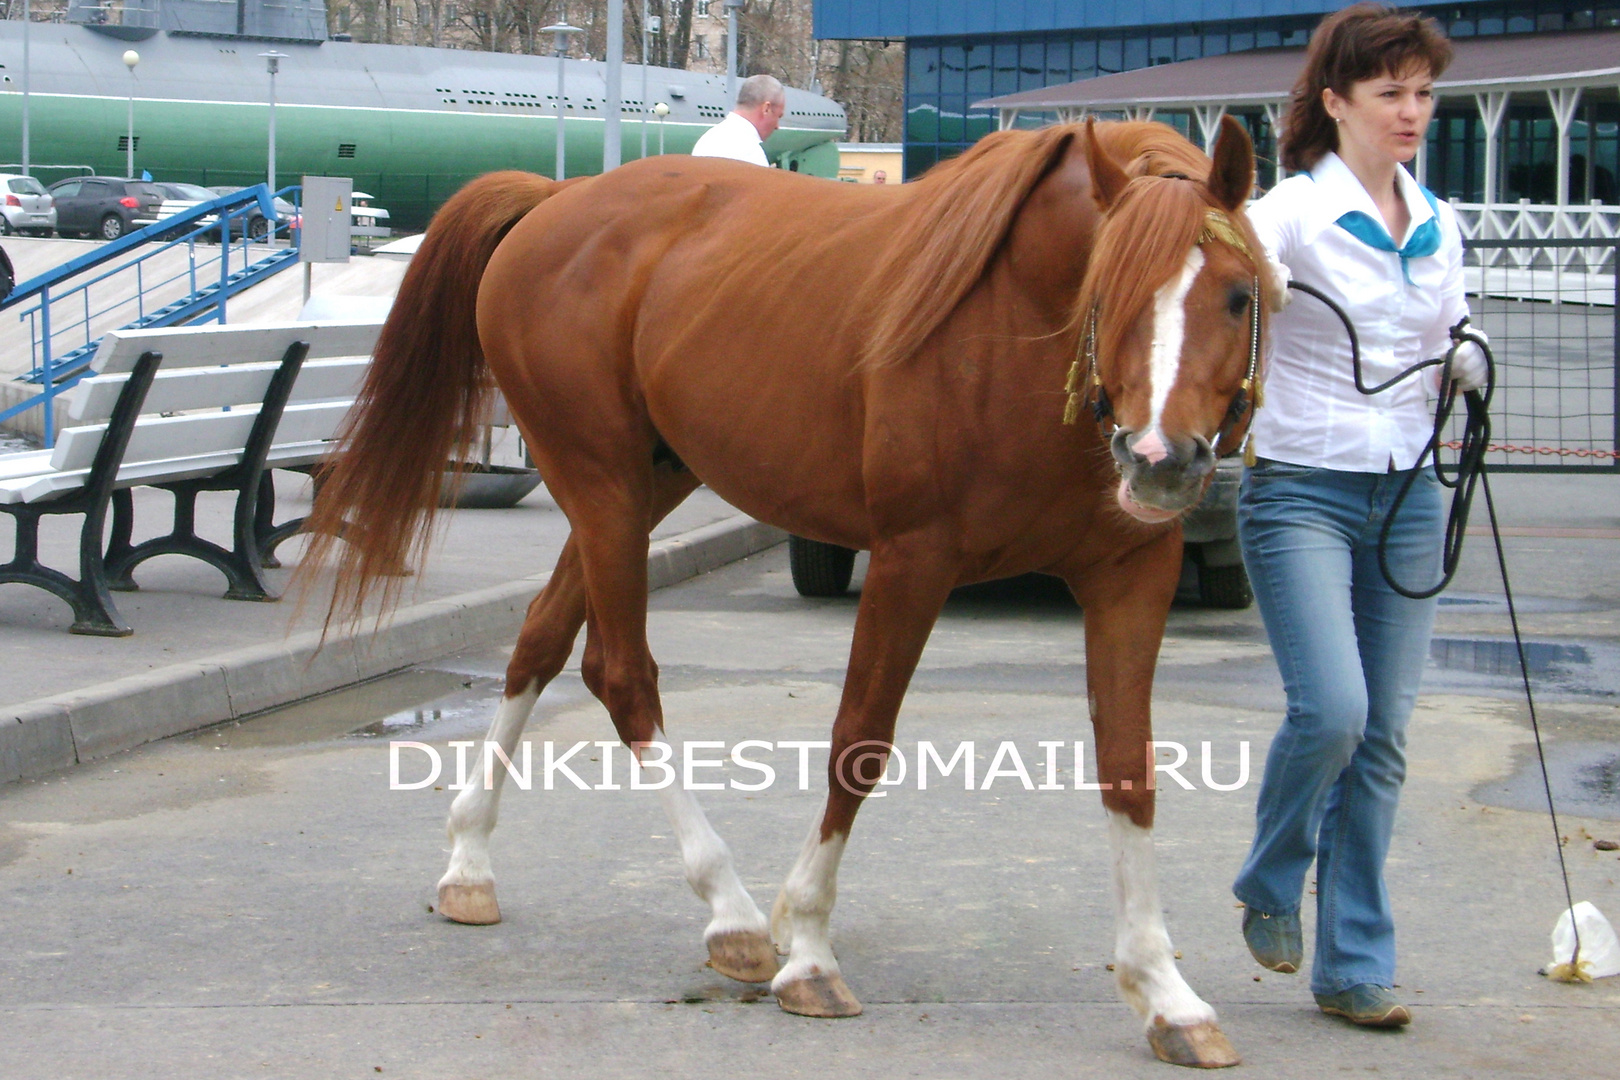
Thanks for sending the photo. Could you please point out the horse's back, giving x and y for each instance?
(716, 306)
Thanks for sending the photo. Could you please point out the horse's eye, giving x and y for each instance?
(1237, 301)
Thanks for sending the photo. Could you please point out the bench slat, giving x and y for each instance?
(47, 484)
(206, 346)
(171, 438)
(210, 388)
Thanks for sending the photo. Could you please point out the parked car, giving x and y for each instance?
(254, 222)
(104, 206)
(29, 208)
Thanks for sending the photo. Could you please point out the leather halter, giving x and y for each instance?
(1084, 383)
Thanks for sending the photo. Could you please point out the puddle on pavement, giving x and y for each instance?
(1491, 604)
(1486, 656)
(1585, 780)
(403, 702)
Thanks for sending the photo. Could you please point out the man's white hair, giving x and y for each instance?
(759, 90)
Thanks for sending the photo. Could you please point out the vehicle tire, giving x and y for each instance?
(112, 227)
(5, 226)
(1224, 587)
(258, 229)
(820, 569)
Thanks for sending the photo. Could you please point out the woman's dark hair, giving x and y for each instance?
(1361, 42)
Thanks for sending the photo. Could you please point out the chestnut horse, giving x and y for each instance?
(877, 367)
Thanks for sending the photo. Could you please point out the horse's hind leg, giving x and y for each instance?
(619, 669)
(1126, 606)
(906, 585)
(467, 890)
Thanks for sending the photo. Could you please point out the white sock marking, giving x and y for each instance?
(473, 813)
(1144, 961)
(803, 911)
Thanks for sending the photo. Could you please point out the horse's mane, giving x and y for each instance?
(1144, 240)
(956, 218)
(960, 212)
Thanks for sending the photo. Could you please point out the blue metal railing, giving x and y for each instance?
(227, 215)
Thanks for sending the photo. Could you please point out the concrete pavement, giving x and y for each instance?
(253, 899)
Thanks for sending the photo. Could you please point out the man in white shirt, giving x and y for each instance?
(761, 103)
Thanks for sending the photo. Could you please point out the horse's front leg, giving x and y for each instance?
(1126, 604)
(905, 587)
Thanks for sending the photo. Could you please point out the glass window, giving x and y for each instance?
(1297, 36)
(26, 185)
(1491, 23)
(1520, 23)
(1461, 28)
(922, 69)
(1242, 41)
(1189, 47)
(1110, 56)
(1057, 63)
(1032, 65)
(1214, 44)
(67, 190)
(952, 69)
(951, 109)
(1083, 64)
(978, 59)
(979, 124)
(1136, 53)
(1161, 49)
(1267, 39)
(1550, 20)
(1006, 68)
(919, 159)
(922, 122)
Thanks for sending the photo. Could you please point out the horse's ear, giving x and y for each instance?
(1232, 178)
(1107, 178)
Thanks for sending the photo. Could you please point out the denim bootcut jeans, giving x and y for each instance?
(1351, 651)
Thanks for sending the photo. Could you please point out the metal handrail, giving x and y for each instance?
(224, 210)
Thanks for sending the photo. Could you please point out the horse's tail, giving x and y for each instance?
(424, 396)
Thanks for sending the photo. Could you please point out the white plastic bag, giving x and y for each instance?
(1600, 949)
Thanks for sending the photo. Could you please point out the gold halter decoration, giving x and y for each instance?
(1217, 228)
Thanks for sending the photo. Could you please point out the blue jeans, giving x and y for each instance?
(1351, 651)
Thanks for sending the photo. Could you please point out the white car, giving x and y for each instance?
(28, 209)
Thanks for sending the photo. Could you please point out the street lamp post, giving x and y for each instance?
(560, 32)
(27, 18)
(131, 58)
(662, 110)
(272, 64)
(646, 48)
(732, 7)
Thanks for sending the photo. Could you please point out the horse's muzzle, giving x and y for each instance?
(1161, 477)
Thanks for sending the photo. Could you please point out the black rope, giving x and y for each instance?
(1476, 439)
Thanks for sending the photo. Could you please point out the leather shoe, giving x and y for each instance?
(1367, 1005)
(1274, 940)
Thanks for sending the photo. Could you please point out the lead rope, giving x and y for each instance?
(1470, 468)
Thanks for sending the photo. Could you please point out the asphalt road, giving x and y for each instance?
(254, 900)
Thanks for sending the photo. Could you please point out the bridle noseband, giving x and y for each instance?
(1084, 382)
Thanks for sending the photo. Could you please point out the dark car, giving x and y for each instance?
(104, 206)
(257, 227)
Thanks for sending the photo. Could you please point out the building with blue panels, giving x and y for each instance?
(961, 53)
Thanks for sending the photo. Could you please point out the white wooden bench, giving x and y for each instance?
(188, 410)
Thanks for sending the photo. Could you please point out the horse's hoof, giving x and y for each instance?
(1198, 1046)
(471, 904)
(744, 955)
(824, 996)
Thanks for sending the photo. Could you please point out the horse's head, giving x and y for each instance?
(1170, 313)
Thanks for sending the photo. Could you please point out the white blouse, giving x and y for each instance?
(1313, 413)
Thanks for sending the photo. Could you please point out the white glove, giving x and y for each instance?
(1468, 367)
(1280, 277)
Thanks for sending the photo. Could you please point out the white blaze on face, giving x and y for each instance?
(1164, 359)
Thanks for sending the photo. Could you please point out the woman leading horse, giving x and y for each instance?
(680, 321)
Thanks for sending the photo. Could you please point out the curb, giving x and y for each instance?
(52, 733)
